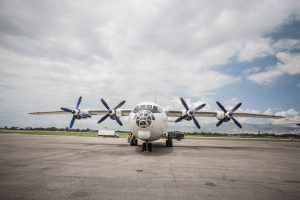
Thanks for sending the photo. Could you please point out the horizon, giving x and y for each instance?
(54, 52)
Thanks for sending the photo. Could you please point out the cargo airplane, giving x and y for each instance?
(149, 122)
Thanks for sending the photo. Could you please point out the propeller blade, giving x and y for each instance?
(105, 104)
(236, 122)
(184, 104)
(220, 122)
(199, 107)
(117, 119)
(236, 107)
(221, 106)
(196, 122)
(103, 118)
(72, 121)
(181, 118)
(78, 102)
(120, 104)
(67, 110)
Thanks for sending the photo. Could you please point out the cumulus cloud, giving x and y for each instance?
(286, 44)
(289, 65)
(256, 48)
(52, 52)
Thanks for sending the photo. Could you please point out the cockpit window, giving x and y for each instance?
(153, 109)
(148, 107)
(143, 106)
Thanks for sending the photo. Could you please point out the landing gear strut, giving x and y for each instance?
(169, 142)
(147, 146)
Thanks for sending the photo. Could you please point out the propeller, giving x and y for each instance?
(189, 113)
(229, 114)
(111, 112)
(76, 112)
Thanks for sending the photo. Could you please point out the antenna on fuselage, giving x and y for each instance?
(155, 97)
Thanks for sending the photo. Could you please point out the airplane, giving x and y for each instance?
(149, 121)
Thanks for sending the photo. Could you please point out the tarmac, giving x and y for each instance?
(68, 167)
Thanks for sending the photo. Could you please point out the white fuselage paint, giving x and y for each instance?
(157, 128)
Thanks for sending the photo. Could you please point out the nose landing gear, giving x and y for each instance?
(147, 146)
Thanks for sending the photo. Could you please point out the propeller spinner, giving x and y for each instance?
(229, 114)
(76, 112)
(111, 112)
(190, 113)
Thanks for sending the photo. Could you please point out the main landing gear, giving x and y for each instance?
(169, 142)
(147, 146)
(133, 142)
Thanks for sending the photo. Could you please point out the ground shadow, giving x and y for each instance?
(158, 149)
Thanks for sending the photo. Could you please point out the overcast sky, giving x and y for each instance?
(51, 52)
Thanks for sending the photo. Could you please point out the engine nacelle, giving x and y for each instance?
(220, 115)
(184, 112)
(82, 114)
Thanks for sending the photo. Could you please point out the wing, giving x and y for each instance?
(49, 113)
(178, 113)
(121, 112)
(253, 115)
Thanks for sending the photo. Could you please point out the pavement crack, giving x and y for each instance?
(172, 172)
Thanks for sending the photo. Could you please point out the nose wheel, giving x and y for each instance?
(147, 146)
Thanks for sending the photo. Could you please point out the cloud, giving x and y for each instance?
(286, 44)
(289, 64)
(52, 52)
(261, 47)
(255, 48)
(288, 113)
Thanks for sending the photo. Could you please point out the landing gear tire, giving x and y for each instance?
(149, 147)
(169, 142)
(133, 142)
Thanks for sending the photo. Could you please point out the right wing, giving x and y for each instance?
(49, 113)
(178, 113)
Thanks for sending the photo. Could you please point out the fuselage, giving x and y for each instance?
(148, 121)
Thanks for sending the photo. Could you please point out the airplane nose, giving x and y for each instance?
(143, 118)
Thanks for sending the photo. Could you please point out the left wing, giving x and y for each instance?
(179, 113)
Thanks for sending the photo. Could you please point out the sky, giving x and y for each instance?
(52, 52)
